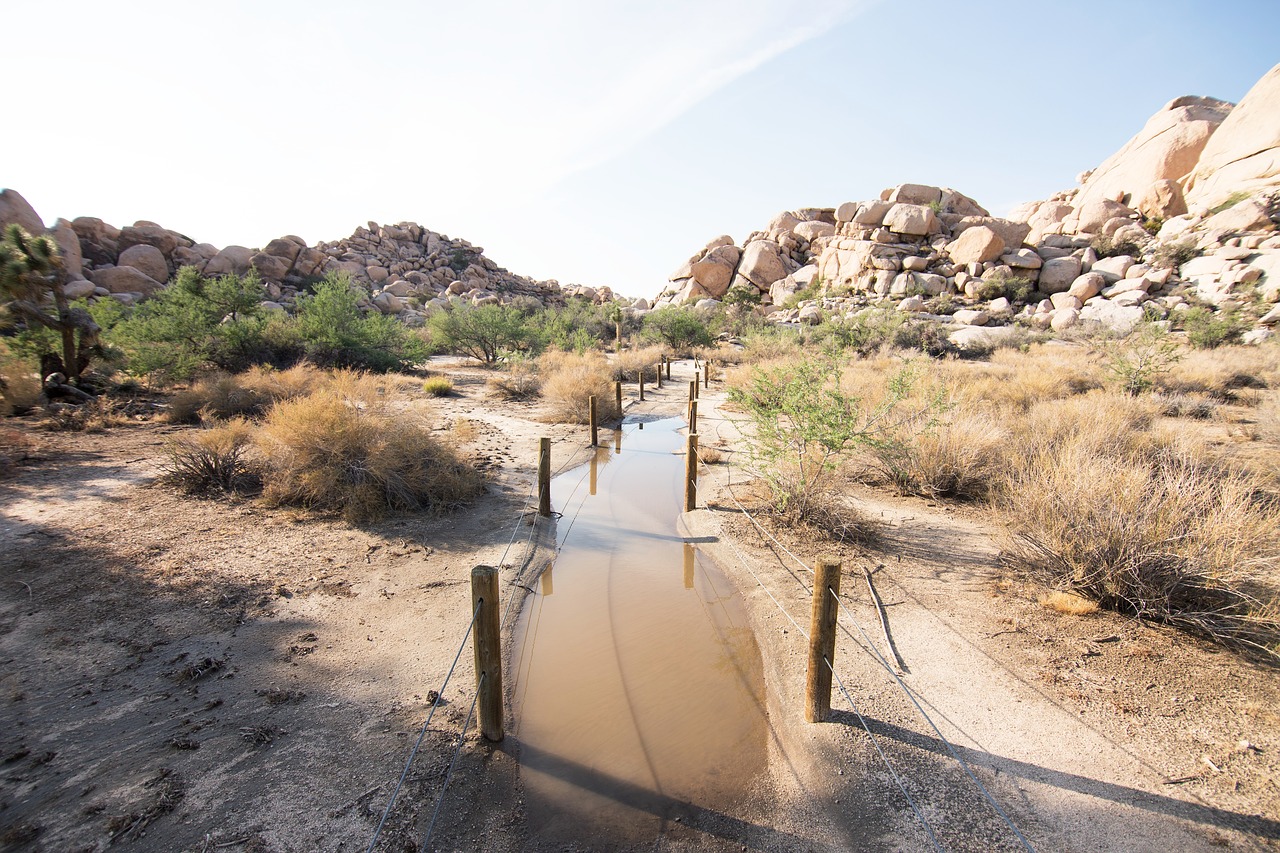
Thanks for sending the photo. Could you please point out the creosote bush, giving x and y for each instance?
(247, 394)
(212, 460)
(334, 451)
(519, 381)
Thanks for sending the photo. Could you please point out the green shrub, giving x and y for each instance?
(1106, 247)
(1208, 329)
(487, 333)
(680, 329)
(335, 332)
(1229, 202)
(1174, 255)
(438, 386)
(1137, 361)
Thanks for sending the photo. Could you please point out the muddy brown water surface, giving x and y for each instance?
(639, 690)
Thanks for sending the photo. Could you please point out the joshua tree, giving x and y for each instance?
(32, 275)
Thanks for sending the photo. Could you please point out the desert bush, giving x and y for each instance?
(335, 332)
(1174, 255)
(1106, 247)
(437, 386)
(802, 421)
(628, 363)
(15, 449)
(680, 329)
(327, 452)
(1067, 603)
(212, 460)
(97, 415)
(963, 458)
(19, 389)
(1138, 361)
(569, 380)
(1013, 288)
(247, 394)
(519, 381)
(1208, 329)
(1170, 539)
(487, 333)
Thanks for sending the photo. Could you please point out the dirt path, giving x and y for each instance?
(185, 675)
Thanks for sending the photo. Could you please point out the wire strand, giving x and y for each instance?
(413, 752)
(452, 762)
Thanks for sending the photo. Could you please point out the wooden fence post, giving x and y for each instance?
(544, 478)
(693, 416)
(706, 375)
(591, 411)
(641, 376)
(667, 362)
(658, 373)
(822, 640)
(617, 396)
(691, 473)
(693, 389)
(485, 640)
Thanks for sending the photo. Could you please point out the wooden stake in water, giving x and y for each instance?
(488, 650)
(691, 473)
(544, 478)
(822, 640)
(617, 396)
(591, 412)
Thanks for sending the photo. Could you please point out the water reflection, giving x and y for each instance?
(624, 674)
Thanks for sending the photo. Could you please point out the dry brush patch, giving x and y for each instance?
(628, 364)
(247, 394)
(569, 380)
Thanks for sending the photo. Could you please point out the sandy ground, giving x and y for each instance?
(193, 675)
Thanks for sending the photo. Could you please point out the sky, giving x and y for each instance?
(595, 142)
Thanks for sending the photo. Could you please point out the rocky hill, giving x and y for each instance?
(1185, 212)
(406, 268)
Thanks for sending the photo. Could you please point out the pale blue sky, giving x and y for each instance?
(590, 141)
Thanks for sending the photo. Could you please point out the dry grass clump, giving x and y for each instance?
(15, 448)
(1227, 374)
(519, 381)
(333, 451)
(962, 459)
(569, 380)
(628, 364)
(709, 455)
(1067, 603)
(1166, 537)
(212, 460)
(97, 415)
(437, 386)
(247, 394)
(19, 390)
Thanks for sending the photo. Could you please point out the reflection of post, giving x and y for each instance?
(689, 556)
(546, 581)
(595, 466)
(617, 441)
(691, 473)
(591, 406)
(488, 653)
(544, 478)
(822, 640)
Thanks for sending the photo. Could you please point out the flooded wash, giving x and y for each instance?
(638, 697)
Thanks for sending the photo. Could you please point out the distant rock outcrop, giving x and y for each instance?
(407, 269)
(1244, 154)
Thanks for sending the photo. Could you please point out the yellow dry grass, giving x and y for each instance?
(569, 380)
(1067, 603)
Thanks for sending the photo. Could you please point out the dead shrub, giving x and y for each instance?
(212, 460)
(19, 390)
(334, 452)
(97, 415)
(962, 459)
(710, 455)
(519, 381)
(628, 364)
(569, 381)
(247, 394)
(1166, 537)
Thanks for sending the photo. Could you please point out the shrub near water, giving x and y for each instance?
(569, 381)
(331, 452)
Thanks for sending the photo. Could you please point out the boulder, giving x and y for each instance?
(1023, 259)
(1119, 318)
(1244, 153)
(715, 271)
(270, 267)
(125, 280)
(970, 317)
(1065, 300)
(79, 288)
(810, 315)
(1167, 148)
(1112, 269)
(231, 260)
(149, 234)
(98, 240)
(286, 247)
(1011, 232)
(813, 229)
(69, 246)
(976, 245)
(1064, 318)
(1091, 216)
(147, 259)
(1248, 215)
(846, 211)
(871, 214)
(1161, 200)
(915, 194)
(1058, 274)
(911, 305)
(14, 209)
(1087, 286)
(762, 264)
(914, 220)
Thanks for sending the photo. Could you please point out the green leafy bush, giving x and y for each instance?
(487, 333)
(1145, 355)
(335, 332)
(681, 329)
(1207, 329)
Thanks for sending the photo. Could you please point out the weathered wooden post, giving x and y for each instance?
(706, 375)
(667, 361)
(658, 373)
(640, 373)
(693, 389)
(617, 396)
(591, 412)
(486, 642)
(691, 473)
(822, 640)
(544, 478)
(693, 416)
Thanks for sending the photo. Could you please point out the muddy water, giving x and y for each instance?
(639, 685)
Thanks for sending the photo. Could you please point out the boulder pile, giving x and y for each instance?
(1185, 213)
(407, 269)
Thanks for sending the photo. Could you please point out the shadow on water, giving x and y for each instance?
(639, 684)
